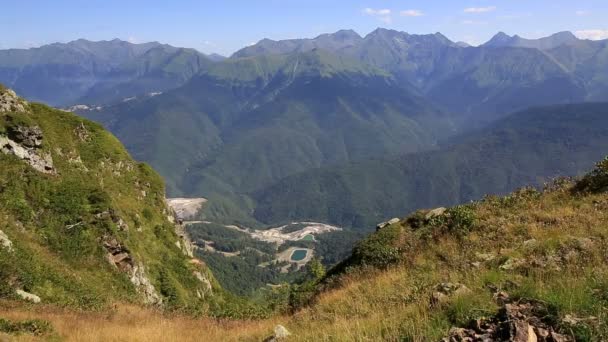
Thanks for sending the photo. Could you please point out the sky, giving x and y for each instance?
(224, 26)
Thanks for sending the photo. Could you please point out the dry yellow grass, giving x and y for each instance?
(132, 323)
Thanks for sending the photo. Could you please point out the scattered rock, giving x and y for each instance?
(10, 102)
(387, 223)
(444, 291)
(5, 242)
(511, 264)
(523, 321)
(28, 296)
(82, 132)
(280, 334)
(435, 212)
(26, 135)
(485, 257)
(42, 162)
(113, 215)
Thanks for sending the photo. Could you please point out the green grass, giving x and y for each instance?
(57, 222)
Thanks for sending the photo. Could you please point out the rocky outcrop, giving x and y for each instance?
(10, 102)
(120, 257)
(517, 321)
(144, 286)
(115, 218)
(435, 212)
(387, 223)
(26, 136)
(40, 161)
(185, 243)
(28, 296)
(206, 283)
(5, 242)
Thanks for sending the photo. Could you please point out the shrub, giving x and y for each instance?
(34, 327)
(380, 249)
(460, 219)
(595, 181)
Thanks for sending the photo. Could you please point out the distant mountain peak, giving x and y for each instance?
(502, 39)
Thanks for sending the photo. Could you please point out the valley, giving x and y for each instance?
(387, 186)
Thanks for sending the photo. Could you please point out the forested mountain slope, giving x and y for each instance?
(528, 147)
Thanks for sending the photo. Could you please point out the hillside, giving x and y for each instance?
(84, 225)
(265, 118)
(529, 266)
(532, 264)
(253, 122)
(528, 147)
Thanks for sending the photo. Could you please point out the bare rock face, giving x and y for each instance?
(10, 102)
(23, 141)
(144, 286)
(26, 136)
(120, 257)
(204, 281)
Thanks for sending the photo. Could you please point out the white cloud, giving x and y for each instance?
(581, 13)
(592, 34)
(411, 13)
(479, 9)
(383, 15)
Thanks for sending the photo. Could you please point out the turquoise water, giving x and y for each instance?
(299, 254)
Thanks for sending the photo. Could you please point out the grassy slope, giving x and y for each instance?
(383, 291)
(68, 266)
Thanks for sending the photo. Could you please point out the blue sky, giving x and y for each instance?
(224, 26)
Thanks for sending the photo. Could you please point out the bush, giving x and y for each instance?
(457, 220)
(380, 249)
(460, 219)
(34, 327)
(595, 181)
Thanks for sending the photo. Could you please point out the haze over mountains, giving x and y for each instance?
(83, 71)
(309, 128)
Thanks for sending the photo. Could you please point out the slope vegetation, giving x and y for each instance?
(524, 148)
(527, 266)
(83, 225)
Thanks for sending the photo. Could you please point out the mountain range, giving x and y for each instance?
(300, 148)
(281, 114)
(83, 71)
